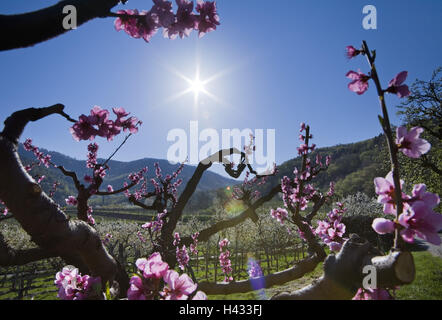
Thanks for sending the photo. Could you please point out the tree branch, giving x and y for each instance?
(28, 29)
(343, 273)
(39, 215)
(298, 271)
(205, 234)
(13, 257)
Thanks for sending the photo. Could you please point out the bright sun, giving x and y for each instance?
(197, 86)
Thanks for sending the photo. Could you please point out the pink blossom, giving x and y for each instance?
(178, 287)
(279, 214)
(331, 191)
(120, 113)
(136, 290)
(147, 225)
(73, 286)
(182, 257)
(351, 52)
(383, 226)
(163, 9)
(225, 263)
(110, 188)
(208, 18)
(177, 239)
(71, 201)
(143, 24)
(360, 82)
(372, 294)
(223, 243)
(331, 230)
(302, 125)
(90, 219)
(140, 236)
(131, 124)
(409, 142)
(83, 129)
(153, 267)
(185, 21)
(419, 192)
(396, 87)
(420, 220)
(384, 187)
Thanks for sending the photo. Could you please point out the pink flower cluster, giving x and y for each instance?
(72, 286)
(53, 189)
(246, 192)
(224, 260)
(331, 230)
(136, 178)
(146, 285)
(91, 161)
(409, 142)
(182, 257)
(166, 187)
(249, 149)
(359, 83)
(296, 191)
(157, 224)
(193, 246)
(71, 201)
(145, 24)
(99, 124)
(395, 85)
(418, 217)
(351, 52)
(279, 214)
(41, 157)
(372, 294)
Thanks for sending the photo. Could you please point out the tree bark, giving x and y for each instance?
(28, 29)
(39, 215)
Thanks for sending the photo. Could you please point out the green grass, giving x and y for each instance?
(428, 282)
(426, 286)
(268, 293)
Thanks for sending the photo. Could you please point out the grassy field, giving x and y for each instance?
(428, 282)
(427, 285)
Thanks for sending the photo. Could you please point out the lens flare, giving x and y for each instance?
(256, 277)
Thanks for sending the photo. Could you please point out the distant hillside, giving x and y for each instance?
(117, 175)
(353, 167)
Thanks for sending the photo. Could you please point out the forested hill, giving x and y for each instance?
(117, 175)
(353, 166)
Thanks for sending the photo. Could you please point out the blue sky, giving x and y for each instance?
(281, 63)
